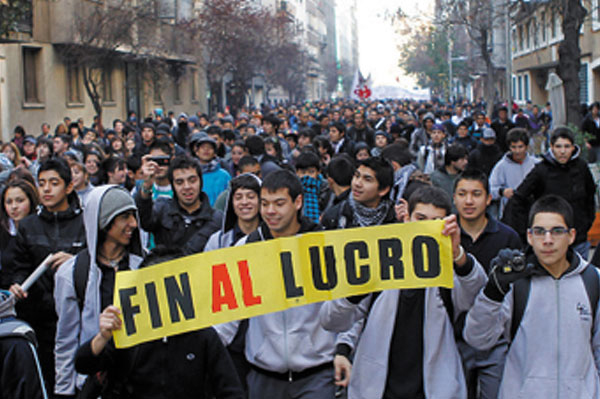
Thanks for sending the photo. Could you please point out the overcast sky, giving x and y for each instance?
(378, 43)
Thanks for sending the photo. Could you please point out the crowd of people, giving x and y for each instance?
(515, 193)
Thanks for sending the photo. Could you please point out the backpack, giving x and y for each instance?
(522, 287)
(81, 271)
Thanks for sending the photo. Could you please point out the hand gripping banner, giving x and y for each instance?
(264, 277)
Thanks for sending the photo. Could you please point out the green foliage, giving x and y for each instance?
(581, 138)
(15, 16)
(425, 56)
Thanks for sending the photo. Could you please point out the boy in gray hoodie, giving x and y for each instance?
(547, 310)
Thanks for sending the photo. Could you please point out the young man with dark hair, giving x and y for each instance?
(502, 125)
(455, 161)
(114, 244)
(57, 229)
(463, 137)
(339, 171)
(116, 170)
(368, 204)
(156, 164)
(548, 310)
(563, 173)
(60, 144)
(510, 171)
(483, 237)
(339, 141)
(487, 153)
(407, 347)
(283, 365)
(193, 365)
(360, 131)
(187, 220)
(401, 161)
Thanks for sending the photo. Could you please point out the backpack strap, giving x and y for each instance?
(592, 287)
(446, 295)
(520, 292)
(81, 271)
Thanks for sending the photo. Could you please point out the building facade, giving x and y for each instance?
(536, 35)
(38, 84)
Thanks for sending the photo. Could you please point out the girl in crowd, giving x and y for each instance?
(19, 199)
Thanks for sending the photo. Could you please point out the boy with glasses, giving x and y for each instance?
(545, 303)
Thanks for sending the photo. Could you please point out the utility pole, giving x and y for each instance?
(508, 57)
(450, 85)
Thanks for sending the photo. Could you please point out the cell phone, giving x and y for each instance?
(161, 160)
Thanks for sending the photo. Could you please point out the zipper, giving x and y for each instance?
(285, 346)
(557, 284)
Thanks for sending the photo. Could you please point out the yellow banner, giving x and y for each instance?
(264, 277)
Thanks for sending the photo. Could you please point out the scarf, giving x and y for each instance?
(369, 216)
(210, 167)
(401, 177)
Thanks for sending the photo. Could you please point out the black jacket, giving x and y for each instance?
(589, 126)
(341, 216)
(484, 157)
(39, 235)
(572, 181)
(501, 130)
(173, 226)
(263, 233)
(191, 365)
(365, 135)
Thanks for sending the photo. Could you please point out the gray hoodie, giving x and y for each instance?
(509, 174)
(442, 368)
(75, 327)
(555, 352)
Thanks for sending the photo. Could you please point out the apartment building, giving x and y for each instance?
(536, 34)
(39, 84)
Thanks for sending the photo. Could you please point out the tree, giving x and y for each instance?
(104, 34)
(15, 16)
(425, 56)
(569, 55)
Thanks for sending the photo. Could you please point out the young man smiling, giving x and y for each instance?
(185, 219)
(368, 203)
(548, 311)
(283, 365)
(58, 229)
(114, 245)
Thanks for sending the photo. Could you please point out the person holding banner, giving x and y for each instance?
(290, 354)
(84, 285)
(412, 352)
(241, 218)
(193, 365)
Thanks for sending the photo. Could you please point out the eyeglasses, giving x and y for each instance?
(554, 232)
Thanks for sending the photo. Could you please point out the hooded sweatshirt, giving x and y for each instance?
(76, 326)
(509, 174)
(554, 353)
(573, 181)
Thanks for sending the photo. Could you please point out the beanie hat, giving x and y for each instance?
(115, 201)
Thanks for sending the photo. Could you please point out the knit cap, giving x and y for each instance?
(115, 201)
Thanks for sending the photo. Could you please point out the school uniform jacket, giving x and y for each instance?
(443, 375)
(555, 352)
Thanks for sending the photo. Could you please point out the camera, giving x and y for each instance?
(517, 263)
(161, 160)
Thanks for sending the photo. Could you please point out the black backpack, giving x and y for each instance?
(81, 271)
(522, 287)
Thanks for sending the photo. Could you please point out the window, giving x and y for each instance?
(583, 83)
(107, 85)
(73, 85)
(543, 26)
(520, 88)
(520, 46)
(527, 36)
(514, 86)
(526, 87)
(177, 91)
(31, 75)
(553, 24)
(194, 77)
(156, 92)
